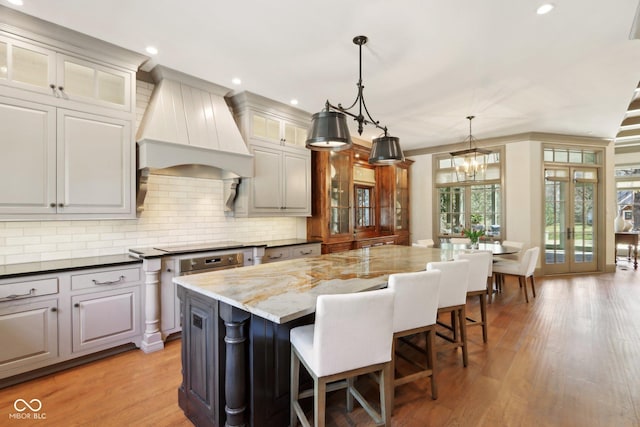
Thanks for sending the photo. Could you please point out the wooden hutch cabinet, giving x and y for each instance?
(357, 205)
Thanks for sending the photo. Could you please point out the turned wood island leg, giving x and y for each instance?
(236, 364)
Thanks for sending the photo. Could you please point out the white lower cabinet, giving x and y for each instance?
(51, 318)
(103, 319)
(29, 335)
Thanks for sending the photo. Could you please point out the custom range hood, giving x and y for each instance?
(188, 130)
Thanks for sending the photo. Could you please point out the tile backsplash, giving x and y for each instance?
(176, 210)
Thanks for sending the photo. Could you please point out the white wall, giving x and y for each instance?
(421, 182)
(523, 192)
(177, 210)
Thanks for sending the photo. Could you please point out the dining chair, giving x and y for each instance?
(352, 335)
(415, 312)
(453, 300)
(425, 243)
(523, 269)
(460, 240)
(479, 264)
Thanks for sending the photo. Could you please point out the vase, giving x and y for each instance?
(475, 245)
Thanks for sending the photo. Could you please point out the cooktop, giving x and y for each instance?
(199, 247)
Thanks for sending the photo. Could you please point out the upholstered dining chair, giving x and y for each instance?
(522, 269)
(352, 336)
(453, 300)
(479, 264)
(415, 312)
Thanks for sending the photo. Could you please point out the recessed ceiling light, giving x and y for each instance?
(236, 81)
(16, 2)
(545, 8)
(152, 50)
(294, 102)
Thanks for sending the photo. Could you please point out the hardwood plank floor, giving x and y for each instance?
(571, 357)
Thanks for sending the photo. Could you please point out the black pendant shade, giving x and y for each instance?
(328, 132)
(386, 151)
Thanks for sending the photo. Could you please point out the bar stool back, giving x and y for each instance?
(415, 312)
(452, 300)
(352, 336)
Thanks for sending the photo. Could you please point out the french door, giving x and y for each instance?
(570, 219)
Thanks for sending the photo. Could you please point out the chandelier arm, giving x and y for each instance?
(330, 106)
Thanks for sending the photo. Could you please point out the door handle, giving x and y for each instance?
(569, 233)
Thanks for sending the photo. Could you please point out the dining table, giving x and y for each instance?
(496, 248)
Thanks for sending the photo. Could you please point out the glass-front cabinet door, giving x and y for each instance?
(26, 66)
(401, 207)
(86, 81)
(339, 193)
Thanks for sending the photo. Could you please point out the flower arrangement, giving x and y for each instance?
(473, 235)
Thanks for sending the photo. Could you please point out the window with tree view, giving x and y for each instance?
(628, 196)
(473, 204)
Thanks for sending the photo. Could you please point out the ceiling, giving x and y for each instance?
(428, 63)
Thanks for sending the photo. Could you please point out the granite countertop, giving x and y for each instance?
(44, 267)
(286, 290)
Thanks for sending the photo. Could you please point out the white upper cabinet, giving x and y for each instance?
(29, 66)
(276, 135)
(67, 113)
(281, 131)
(62, 161)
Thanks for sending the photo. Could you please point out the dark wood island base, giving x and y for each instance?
(234, 357)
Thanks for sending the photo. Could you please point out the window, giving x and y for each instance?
(486, 201)
(472, 204)
(628, 195)
(364, 209)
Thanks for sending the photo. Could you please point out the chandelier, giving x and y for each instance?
(470, 164)
(329, 130)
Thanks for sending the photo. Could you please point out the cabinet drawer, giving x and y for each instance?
(28, 289)
(305, 250)
(276, 254)
(105, 278)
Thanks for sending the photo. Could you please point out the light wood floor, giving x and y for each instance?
(571, 357)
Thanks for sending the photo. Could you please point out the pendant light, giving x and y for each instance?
(470, 164)
(329, 130)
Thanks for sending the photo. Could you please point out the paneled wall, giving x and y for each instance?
(176, 210)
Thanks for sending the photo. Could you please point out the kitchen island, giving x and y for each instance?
(236, 323)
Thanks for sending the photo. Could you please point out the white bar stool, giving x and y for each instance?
(415, 312)
(453, 300)
(479, 264)
(352, 336)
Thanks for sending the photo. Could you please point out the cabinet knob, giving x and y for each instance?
(76, 304)
(61, 88)
(60, 205)
(52, 205)
(54, 309)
